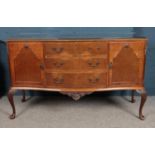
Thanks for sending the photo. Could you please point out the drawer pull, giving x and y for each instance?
(110, 65)
(58, 80)
(93, 80)
(57, 50)
(126, 45)
(90, 49)
(93, 64)
(26, 46)
(42, 66)
(58, 64)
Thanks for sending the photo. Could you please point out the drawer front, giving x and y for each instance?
(92, 48)
(56, 64)
(60, 80)
(76, 80)
(87, 64)
(58, 49)
(91, 80)
(92, 63)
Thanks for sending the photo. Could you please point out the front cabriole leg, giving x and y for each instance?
(143, 100)
(10, 98)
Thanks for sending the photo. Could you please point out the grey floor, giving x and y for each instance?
(93, 111)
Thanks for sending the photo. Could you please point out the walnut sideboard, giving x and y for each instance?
(77, 67)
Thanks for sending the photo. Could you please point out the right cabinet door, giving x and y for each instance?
(126, 63)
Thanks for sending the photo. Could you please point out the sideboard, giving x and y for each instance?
(77, 67)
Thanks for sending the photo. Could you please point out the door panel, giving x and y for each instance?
(25, 63)
(126, 63)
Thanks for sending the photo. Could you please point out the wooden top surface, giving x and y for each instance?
(78, 39)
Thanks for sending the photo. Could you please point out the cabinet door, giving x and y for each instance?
(26, 63)
(126, 63)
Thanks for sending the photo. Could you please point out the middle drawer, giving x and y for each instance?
(75, 64)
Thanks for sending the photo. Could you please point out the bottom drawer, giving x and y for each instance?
(91, 80)
(60, 80)
(76, 80)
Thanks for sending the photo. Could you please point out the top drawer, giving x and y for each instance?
(75, 49)
(92, 48)
(59, 49)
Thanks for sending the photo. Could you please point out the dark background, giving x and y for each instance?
(77, 32)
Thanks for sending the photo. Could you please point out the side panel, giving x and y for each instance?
(126, 63)
(25, 63)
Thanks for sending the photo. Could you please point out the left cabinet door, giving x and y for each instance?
(26, 63)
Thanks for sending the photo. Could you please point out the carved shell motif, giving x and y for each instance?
(76, 96)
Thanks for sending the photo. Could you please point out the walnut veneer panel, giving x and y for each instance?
(127, 61)
(76, 64)
(25, 60)
(59, 49)
(34, 63)
(76, 80)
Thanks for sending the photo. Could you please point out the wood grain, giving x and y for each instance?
(77, 67)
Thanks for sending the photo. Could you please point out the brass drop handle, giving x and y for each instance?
(42, 66)
(90, 49)
(93, 80)
(26, 46)
(93, 64)
(59, 80)
(57, 50)
(110, 65)
(58, 64)
(126, 45)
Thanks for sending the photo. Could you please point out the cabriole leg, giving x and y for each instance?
(10, 98)
(24, 96)
(132, 96)
(143, 100)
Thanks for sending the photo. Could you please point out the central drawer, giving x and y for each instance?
(93, 63)
(60, 64)
(76, 80)
(76, 64)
